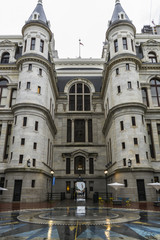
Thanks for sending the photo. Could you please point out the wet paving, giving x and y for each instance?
(80, 222)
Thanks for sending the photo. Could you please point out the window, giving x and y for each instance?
(123, 145)
(25, 45)
(40, 71)
(132, 45)
(24, 121)
(79, 97)
(33, 183)
(147, 155)
(145, 140)
(36, 126)
(124, 162)
(145, 97)
(125, 46)
(68, 166)
(19, 84)
(41, 46)
(79, 165)
(3, 92)
(22, 141)
(129, 85)
(155, 91)
(69, 130)
(7, 141)
(90, 132)
(156, 179)
(0, 129)
(34, 162)
(15, 120)
(152, 57)
(118, 89)
(68, 186)
(35, 145)
(121, 125)
(79, 130)
(30, 67)
(20, 159)
(133, 119)
(137, 84)
(125, 183)
(135, 140)
(13, 97)
(11, 156)
(137, 158)
(116, 45)
(91, 166)
(5, 57)
(33, 43)
(117, 71)
(28, 85)
(39, 90)
(127, 67)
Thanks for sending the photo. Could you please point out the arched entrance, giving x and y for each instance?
(80, 194)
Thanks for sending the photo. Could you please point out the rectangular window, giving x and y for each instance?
(117, 71)
(124, 162)
(90, 135)
(13, 97)
(25, 45)
(15, 120)
(147, 155)
(133, 119)
(34, 145)
(40, 71)
(41, 46)
(68, 165)
(145, 97)
(137, 84)
(13, 139)
(36, 126)
(79, 130)
(19, 84)
(156, 179)
(34, 162)
(33, 183)
(127, 67)
(69, 130)
(91, 166)
(129, 85)
(33, 44)
(125, 46)
(39, 90)
(11, 156)
(68, 187)
(125, 183)
(150, 139)
(24, 121)
(137, 158)
(135, 140)
(123, 145)
(0, 129)
(158, 131)
(132, 45)
(20, 159)
(118, 89)
(145, 139)
(22, 141)
(121, 125)
(116, 45)
(7, 141)
(30, 67)
(28, 85)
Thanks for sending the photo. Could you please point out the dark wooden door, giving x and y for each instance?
(141, 190)
(17, 190)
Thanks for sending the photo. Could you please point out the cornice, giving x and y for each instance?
(28, 170)
(8, 66)
(118, 108)
(23, 106)
(154, 66)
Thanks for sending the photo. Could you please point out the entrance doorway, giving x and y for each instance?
(80, 191)
(141, 190)
(17, 190)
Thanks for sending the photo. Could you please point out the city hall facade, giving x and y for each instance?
(72, 119)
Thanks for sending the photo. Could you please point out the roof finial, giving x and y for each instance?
(117, 1)
(40, 1)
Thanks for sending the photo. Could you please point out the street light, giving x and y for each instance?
(106, 172)
(52, 172)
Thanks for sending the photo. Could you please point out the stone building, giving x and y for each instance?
(79, 117)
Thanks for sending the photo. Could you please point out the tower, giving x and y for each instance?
(124, 126)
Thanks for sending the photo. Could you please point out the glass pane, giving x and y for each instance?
(153, 91)
(79, 88)
(155, 101)
(3, 101)
(86, 89)
(3, 82)
(4, 92)
(79, 130)
(72, 90)
(152, 81)
(72, 103)
(79, 103)
(87, 102)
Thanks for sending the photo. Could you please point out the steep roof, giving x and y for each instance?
(118, 11)
(41, 16)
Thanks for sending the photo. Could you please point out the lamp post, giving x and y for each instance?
(106, 172)
(52, 172)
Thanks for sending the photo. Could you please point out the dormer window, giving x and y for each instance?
(152, 57)
(121, 16)
(35, 16)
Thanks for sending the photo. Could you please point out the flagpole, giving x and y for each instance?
(79, 48)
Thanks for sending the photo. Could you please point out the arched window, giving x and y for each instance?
(152, 57)
(79, 165)
(155, 91)
(5, 57)
(3, 91)
(79, 97)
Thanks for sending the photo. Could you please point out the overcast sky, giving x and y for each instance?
(72, 20)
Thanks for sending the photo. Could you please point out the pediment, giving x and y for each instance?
(151, 43)
(7, 42)
(79, 152)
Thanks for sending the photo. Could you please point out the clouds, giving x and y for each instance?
(74, 19)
